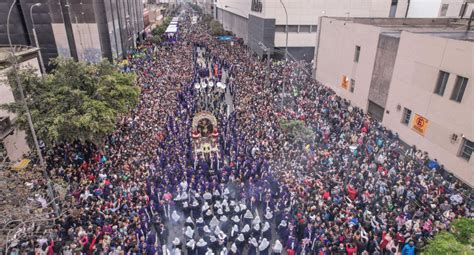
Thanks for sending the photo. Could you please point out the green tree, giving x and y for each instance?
(76, 101)
(216, 27)
(297, 131)
(463, 229)
(159, 30)
(459, 240)
(445, 243)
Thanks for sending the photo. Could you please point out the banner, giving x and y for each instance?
(420, 124)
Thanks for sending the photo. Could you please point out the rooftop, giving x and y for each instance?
(19, 50)
(442, 27)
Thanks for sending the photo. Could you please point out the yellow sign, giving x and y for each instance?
(20, 165)
(345, 82)
(420, 124)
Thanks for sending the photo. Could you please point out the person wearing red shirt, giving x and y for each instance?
(351, 249)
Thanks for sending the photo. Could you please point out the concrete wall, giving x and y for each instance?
(87, 41)
(419, 60)
(60, 38)
(15, 144)
(336, 58)
(234, 22)
(424, 8)
(432, 8)
(303, 12)
(260, 30)
(295, 39)
(383, 69)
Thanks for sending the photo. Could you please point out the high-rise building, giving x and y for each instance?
(413, 75)
(83, 29)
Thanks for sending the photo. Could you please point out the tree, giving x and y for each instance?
(459, 240)
(77, 101)
(297, 131)
(159, 30)
(216, 27)
(445, 243)
(463, 229)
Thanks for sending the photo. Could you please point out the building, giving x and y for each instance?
(265, 20)
(152, 17)
(413, 75)
(13, 143)
(439, 8)
(83, 29)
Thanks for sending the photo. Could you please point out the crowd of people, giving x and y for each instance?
(351, 189)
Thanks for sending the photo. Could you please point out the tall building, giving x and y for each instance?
(439, 8)
(265, 20)
(83, 29)
(413, 75)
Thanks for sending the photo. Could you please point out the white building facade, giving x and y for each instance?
(265, 20)
(413, 75)
(440, 8)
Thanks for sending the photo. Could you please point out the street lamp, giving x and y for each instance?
(27, 110)
(286, 28)
(36, 37)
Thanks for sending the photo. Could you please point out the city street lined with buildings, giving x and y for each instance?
(230, 152)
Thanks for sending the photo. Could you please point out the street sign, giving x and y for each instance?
(420, 124)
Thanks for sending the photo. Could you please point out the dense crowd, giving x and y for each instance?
(350, 190)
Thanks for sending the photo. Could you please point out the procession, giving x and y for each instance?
(202, 166)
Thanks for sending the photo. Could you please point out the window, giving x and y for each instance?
(441, 83)
(459, 88)
(305, 29)
(406, 116)
(444, 10)
(393, 9)
(466, 149)
(356, 54)
(280, 28)
(293, 28)
(353, 83)
(314, 28)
